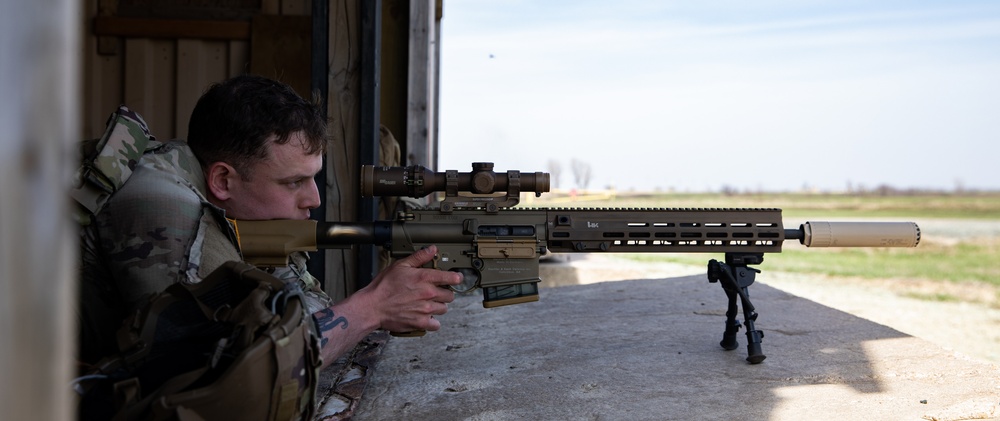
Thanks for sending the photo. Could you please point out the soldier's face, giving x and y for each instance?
(279, 187)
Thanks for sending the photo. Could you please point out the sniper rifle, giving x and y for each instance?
(497, 247)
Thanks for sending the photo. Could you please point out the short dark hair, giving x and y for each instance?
(233, 121)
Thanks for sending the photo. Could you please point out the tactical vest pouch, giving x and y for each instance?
(109, 161)
(238, 345)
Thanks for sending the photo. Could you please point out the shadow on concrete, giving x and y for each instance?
(648, 349)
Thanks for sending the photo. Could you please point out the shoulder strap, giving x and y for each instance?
(109, 161)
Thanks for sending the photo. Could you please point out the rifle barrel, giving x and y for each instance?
(346, 234)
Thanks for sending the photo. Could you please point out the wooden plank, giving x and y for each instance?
(319, 82)
(102, 87)
(199, 64)
(189, 72)
(394, 70)
(280, 49)
(344, 107)
(150, 81)
(163, 78)
(296, 7)
(171, 28)
(420, 85)
(102, 83)
(137, 52)
(368, 127)
(436, 84)
(238, 57)
(102, 93)
(270, 7)
(183, 9)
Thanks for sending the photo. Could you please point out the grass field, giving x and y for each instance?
(966, 206)
(968, 259)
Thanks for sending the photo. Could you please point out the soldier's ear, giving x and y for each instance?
(219, 178)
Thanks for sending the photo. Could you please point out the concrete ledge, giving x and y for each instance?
(648, 349)
(343, 382)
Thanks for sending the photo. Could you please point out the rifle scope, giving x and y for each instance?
(418, 181)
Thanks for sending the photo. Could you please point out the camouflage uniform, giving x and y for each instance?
(156, 230)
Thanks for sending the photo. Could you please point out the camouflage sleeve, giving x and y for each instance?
(316, 299)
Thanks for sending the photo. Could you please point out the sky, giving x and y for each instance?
(712, 95)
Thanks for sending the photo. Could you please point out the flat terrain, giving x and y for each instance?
(849, 334)
(647, 349)
(964, 322)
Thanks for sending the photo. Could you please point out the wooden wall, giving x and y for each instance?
(50, 84)
(160, 65)
(160, 68)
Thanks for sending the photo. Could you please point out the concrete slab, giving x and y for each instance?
(648, 349)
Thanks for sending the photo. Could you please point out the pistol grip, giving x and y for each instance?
(418, 333)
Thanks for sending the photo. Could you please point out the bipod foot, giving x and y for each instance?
(754, 353)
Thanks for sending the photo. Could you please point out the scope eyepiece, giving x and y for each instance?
(417, 181)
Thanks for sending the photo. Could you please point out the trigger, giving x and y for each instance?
(434, 262)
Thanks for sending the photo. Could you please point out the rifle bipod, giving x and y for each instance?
(736, 277)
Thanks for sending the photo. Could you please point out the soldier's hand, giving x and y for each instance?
(407, 296)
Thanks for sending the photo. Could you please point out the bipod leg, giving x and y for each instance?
(729, 342)
(754, 337)
(736, 278)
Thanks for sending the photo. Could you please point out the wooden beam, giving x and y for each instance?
(319, 82)
(368, 136)
(420, 147)
(39, 252)
(172, 28)
(343, 171)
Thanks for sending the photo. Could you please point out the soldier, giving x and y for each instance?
(253, 149)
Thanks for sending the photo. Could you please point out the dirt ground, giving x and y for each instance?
(969, 328)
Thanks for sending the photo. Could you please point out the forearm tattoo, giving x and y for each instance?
(326, 321)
